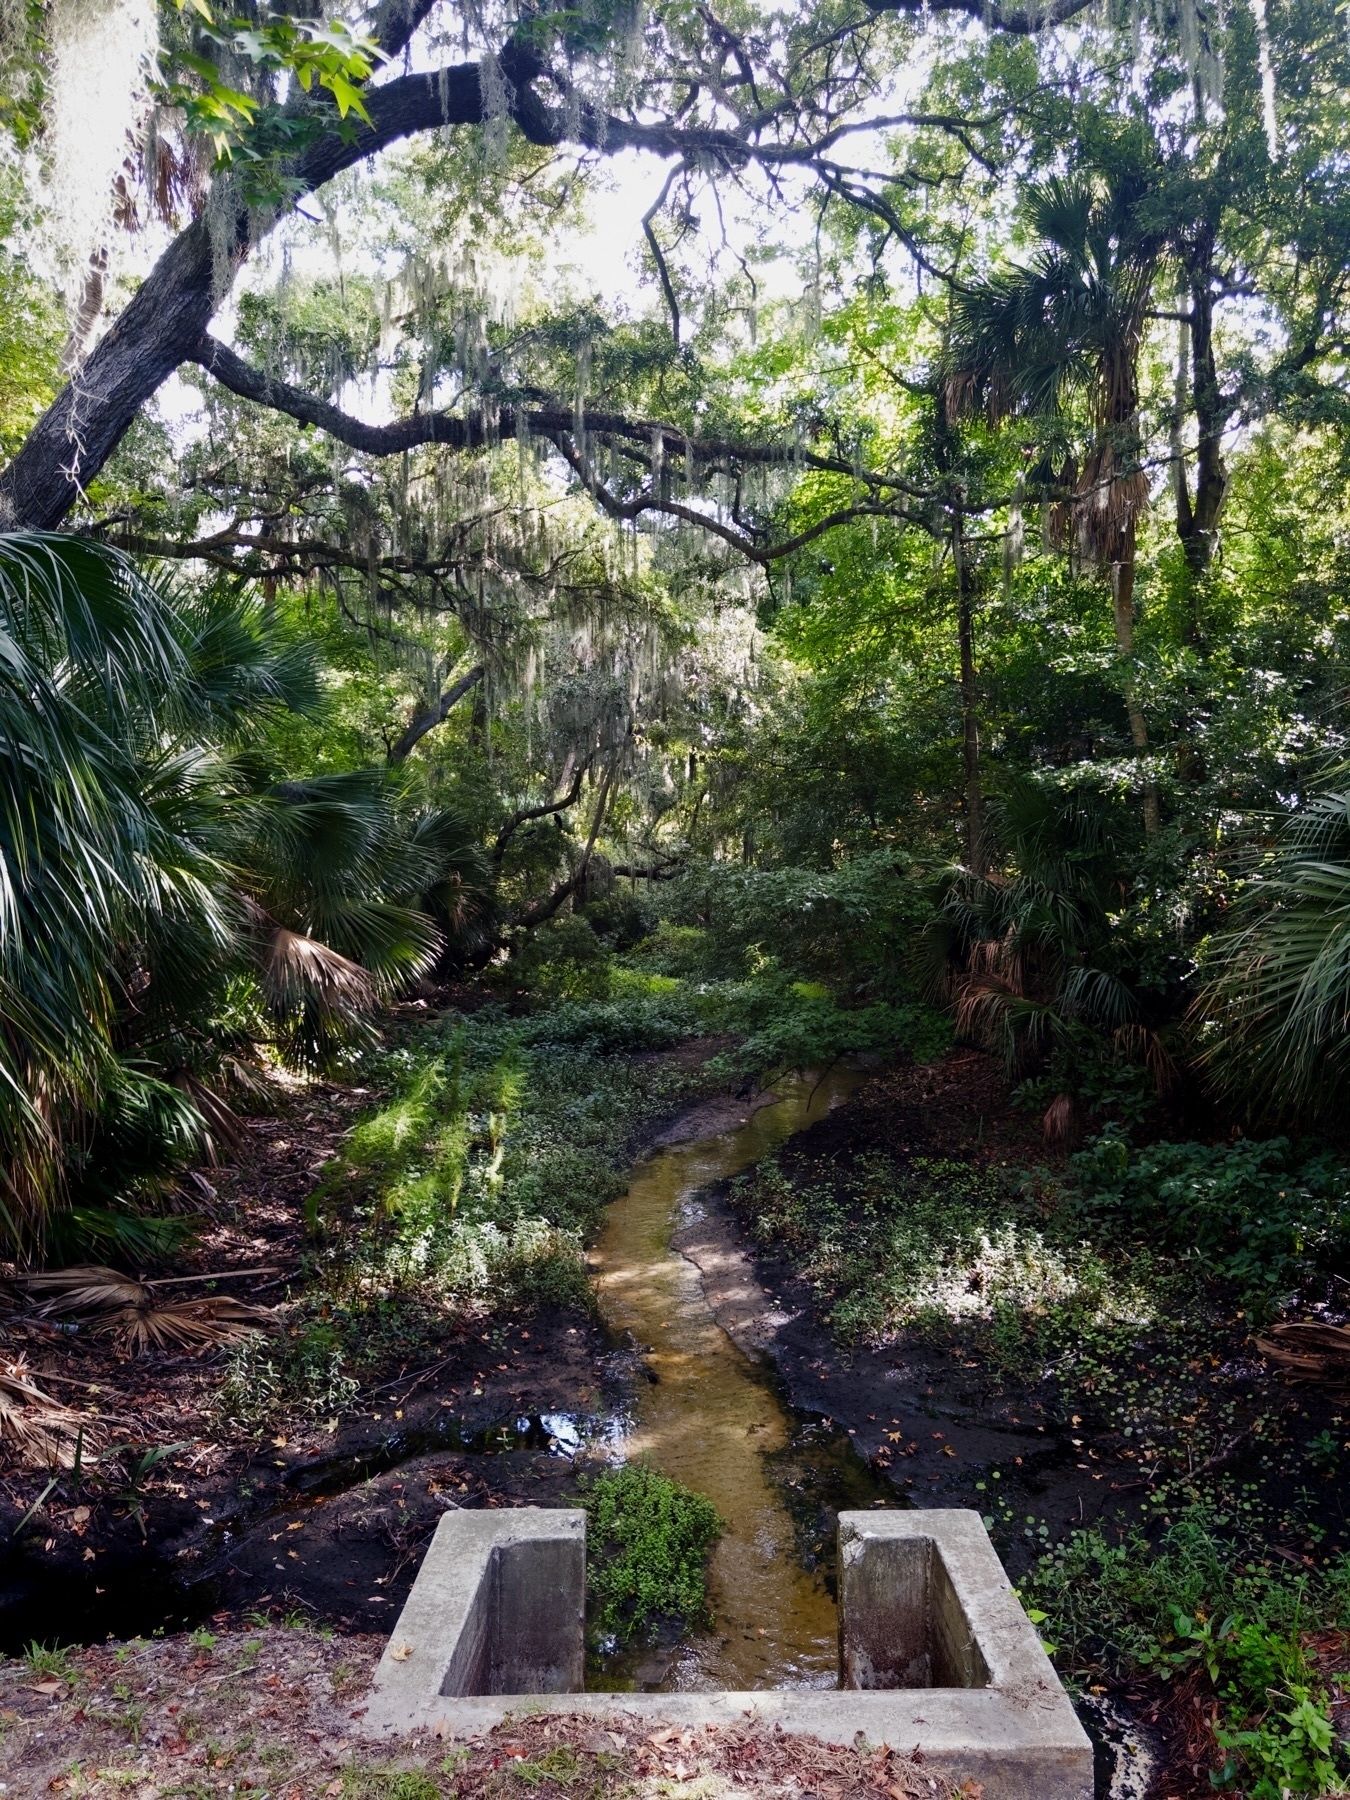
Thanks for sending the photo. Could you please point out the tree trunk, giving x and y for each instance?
(1198, 517)
(976, 856)
(1211, 414)
(1122, 606)
(164, 322)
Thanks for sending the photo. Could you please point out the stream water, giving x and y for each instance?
(714, 1420)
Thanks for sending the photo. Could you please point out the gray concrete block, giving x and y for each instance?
(936, 1652)
(498, 1607)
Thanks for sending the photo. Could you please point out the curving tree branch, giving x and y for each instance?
(164, 322)
(404, 745)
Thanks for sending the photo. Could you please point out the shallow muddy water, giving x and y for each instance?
(713, 1418)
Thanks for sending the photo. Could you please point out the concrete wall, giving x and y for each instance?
(901, 1621)
(498, 1607)
(937, 1652)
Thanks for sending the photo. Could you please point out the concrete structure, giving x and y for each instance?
(937, 1653)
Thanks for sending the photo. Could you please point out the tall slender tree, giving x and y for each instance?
(1069, 326)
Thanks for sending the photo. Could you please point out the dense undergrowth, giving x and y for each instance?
(1201, 1598)
(1116, 1297)
(504, 1132)
(647, 1547)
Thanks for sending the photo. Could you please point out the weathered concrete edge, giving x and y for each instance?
(1019, 1736)
(970, 1733)
(1019, 1668)
(439, 1614)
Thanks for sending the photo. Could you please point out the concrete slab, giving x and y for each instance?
(498, 1607)
(937, 1653)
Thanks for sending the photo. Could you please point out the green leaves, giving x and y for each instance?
(647, 1547)
(1274, 1008)
(251, 127)
(1252, 1212)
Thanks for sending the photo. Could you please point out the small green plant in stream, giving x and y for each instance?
(648, 1540)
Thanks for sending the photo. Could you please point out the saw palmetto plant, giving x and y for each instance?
(155, 866)
(1034, 961)
(1273, 1015)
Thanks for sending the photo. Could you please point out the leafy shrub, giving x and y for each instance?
(802, 1028)
(267, 1379)
(623, 1026)
(647, 1549)
(563, 960)
(851, 926)
(1253, 1211)
(1193, 1599)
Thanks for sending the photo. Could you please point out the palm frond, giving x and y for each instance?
(186, 1325)
(42, 1431)
(1274, 1011)
(86, 1288)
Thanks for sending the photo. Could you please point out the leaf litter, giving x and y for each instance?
(281, 1710)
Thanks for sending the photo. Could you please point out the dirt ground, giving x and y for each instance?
(322, 1517)
(277, 1714)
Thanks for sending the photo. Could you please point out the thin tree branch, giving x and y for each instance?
(527, 813)
(1021, 21)
(539, 911)
(662, 271)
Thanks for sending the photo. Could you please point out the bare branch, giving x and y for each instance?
(527, 813)
(662, 271)
(1021, 21)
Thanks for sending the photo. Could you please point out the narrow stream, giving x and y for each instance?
(713, 1419)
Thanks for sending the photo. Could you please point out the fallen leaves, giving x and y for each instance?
(42, 1430)
(1309, 1351)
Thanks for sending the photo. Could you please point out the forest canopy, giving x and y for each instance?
(864, 482)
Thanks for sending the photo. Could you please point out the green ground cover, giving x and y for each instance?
(647, 1546)
(1117, 1297)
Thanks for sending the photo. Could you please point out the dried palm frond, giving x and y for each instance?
(299, 967)
(184, 1324)
(1309, 1352)
(40, 1428)
(224, 1130)
(86, 1288)
(1062, 1125)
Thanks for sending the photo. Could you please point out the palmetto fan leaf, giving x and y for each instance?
(87, 652)
(1275, 1009)
(41, 1430)
(1030, 953)
(150, 857)
(1070, 323)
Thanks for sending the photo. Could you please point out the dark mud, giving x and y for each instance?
(330, 1527)
(207, 1533)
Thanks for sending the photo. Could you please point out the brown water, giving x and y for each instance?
(713, 1418)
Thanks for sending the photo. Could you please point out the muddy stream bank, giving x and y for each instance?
(332, 1527)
